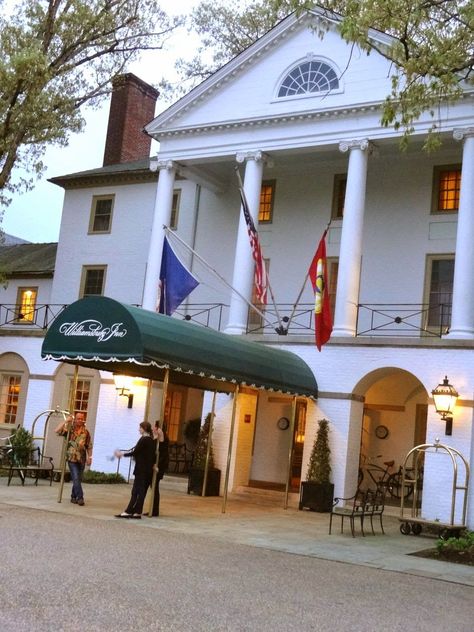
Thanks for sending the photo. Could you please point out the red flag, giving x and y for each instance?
(261, 281)
(319, 280)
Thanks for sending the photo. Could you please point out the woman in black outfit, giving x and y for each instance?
(144, 455)
(163, 461)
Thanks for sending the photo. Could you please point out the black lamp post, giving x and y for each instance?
(445, 396)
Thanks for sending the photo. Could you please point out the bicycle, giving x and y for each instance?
(385, 480)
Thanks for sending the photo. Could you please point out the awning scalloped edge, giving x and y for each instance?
(114, 359)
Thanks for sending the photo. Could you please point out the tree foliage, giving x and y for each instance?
(431, 48)
(56, 56)
(319, 468)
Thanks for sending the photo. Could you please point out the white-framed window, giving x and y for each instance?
(92, 281)
(339, 195)
(10, 389)
(439, 292)
(175, 209)
(332, 264)
(311, 76)
(81, 396)
(101, 214)
(26, 305)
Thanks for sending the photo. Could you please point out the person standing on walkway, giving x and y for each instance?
(163, 461)
(78, 452)
(144, 456)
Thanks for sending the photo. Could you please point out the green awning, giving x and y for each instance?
(102, 333)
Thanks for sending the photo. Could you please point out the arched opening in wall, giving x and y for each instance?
(14, 377)
(394, 421)
(85, 400)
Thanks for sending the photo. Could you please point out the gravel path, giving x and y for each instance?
(63, 573)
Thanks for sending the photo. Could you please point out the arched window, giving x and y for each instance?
(310, 77)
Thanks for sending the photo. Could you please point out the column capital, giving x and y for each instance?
(159, 165)
(363, 144)
(461, 133)
(257, 155)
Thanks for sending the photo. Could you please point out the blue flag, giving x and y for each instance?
(176, 282)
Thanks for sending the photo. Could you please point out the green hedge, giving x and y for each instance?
(94, 477)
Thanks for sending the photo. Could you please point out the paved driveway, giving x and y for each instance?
(63, 572)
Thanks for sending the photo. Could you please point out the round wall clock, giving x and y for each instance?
(283, 423)
(381, 432)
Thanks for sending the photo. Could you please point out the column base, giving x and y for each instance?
(343, 332)
(460, 334)
(235, 330)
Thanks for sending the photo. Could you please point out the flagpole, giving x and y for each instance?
(219, 276)
(242, 191)
(295, 305)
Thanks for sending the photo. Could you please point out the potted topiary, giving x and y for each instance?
(317, 491)
(22, 443)
(196, 472)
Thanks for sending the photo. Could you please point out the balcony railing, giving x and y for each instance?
(38, 317)
(403, 319)
(374, 319)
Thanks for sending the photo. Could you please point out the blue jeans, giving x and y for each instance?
(76, 470)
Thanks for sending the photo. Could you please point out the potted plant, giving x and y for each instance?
(317, 491)
(22, 443)
(196, 473)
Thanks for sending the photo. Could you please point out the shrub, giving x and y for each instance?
(319, 469)
(99, 478)
(463, 543)
(199, 460)
(22, 442)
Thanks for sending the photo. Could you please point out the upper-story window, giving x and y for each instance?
(101, 214)
(92, 281)
(309, 77)
(339, 195)
(26, 305)
(446, 189)
(175, 209)
(267, 197)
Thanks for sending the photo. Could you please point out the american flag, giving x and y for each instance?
(260, 281)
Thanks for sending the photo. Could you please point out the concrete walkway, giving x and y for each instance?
(258, 520)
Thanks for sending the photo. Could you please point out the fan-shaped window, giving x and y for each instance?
(308, 78)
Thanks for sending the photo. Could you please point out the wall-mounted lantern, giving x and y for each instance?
(445, 396)
(124, 384)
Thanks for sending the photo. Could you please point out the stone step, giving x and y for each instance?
(174, 483)
(264, 496)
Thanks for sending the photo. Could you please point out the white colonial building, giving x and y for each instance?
(300, 116)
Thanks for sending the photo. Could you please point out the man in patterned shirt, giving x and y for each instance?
(78, 454)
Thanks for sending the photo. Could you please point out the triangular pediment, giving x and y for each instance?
(246, 88)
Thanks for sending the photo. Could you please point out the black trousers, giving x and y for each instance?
(137, 499)
(156, 499)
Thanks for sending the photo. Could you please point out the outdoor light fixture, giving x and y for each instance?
(123, 384)
(445, 397)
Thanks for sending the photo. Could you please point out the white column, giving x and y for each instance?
(162, 216)
(242, 279)
(350, 256)
(462, 318)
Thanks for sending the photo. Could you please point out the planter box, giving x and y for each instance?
(196, 480)
(316, 496)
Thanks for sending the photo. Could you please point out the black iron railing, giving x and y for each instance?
(205, 314)
(279, 320)
(38, 317)
(403, 319)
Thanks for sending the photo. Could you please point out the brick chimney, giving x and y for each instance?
(132, 106)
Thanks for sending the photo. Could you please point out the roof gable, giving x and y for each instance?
(250, 79)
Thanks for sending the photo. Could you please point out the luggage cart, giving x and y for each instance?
(414, 523)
